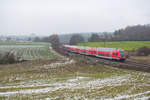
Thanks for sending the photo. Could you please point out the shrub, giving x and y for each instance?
(144, 51)
(8, 58)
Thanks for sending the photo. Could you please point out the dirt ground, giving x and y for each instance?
(140, 59)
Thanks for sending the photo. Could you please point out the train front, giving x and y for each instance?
(122, 55)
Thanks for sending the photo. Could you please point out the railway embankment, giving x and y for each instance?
(128, 64)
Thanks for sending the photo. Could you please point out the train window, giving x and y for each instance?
(113, 53)
(116, 53)
(94, 51)
(122, 53)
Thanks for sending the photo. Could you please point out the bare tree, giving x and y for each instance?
(54, 40)
(37, 39)
(133, 33)
(94, 38)
(75, 39)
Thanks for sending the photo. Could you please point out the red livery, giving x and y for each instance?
(108, 53)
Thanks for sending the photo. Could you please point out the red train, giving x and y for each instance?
(108, 53)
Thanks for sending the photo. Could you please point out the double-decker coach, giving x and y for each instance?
(107, 53)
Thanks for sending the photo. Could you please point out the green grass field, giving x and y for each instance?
(125, 45)
(27, 50)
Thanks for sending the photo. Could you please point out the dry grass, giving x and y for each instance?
(77, 80)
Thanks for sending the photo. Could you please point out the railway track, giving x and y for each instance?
(137, 64)
(125, 64)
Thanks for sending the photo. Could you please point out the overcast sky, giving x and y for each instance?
(45, 17)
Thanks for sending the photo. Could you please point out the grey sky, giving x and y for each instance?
(67, 16)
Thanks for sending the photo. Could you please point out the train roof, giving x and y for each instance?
(98, 48)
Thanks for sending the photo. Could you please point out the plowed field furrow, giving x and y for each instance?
(28, 52)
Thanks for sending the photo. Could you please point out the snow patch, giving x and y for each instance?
(78, 79)
(58, 64)
(130, 96)
(71, 84)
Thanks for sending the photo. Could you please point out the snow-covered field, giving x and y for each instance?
(87, 84)
(128, 85)
(28, 52)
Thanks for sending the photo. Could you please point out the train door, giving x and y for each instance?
(94, 51)
(89, 51)
(114, 54)
(117, 55)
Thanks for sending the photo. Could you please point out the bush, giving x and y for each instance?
(8, 58)
(144, 51)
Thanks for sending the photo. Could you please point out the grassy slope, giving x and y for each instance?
(99, 76)
(126, 45)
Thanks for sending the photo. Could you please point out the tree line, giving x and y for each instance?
(133, 33)
(130, 33)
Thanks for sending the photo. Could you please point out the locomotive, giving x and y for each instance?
(107, 53)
